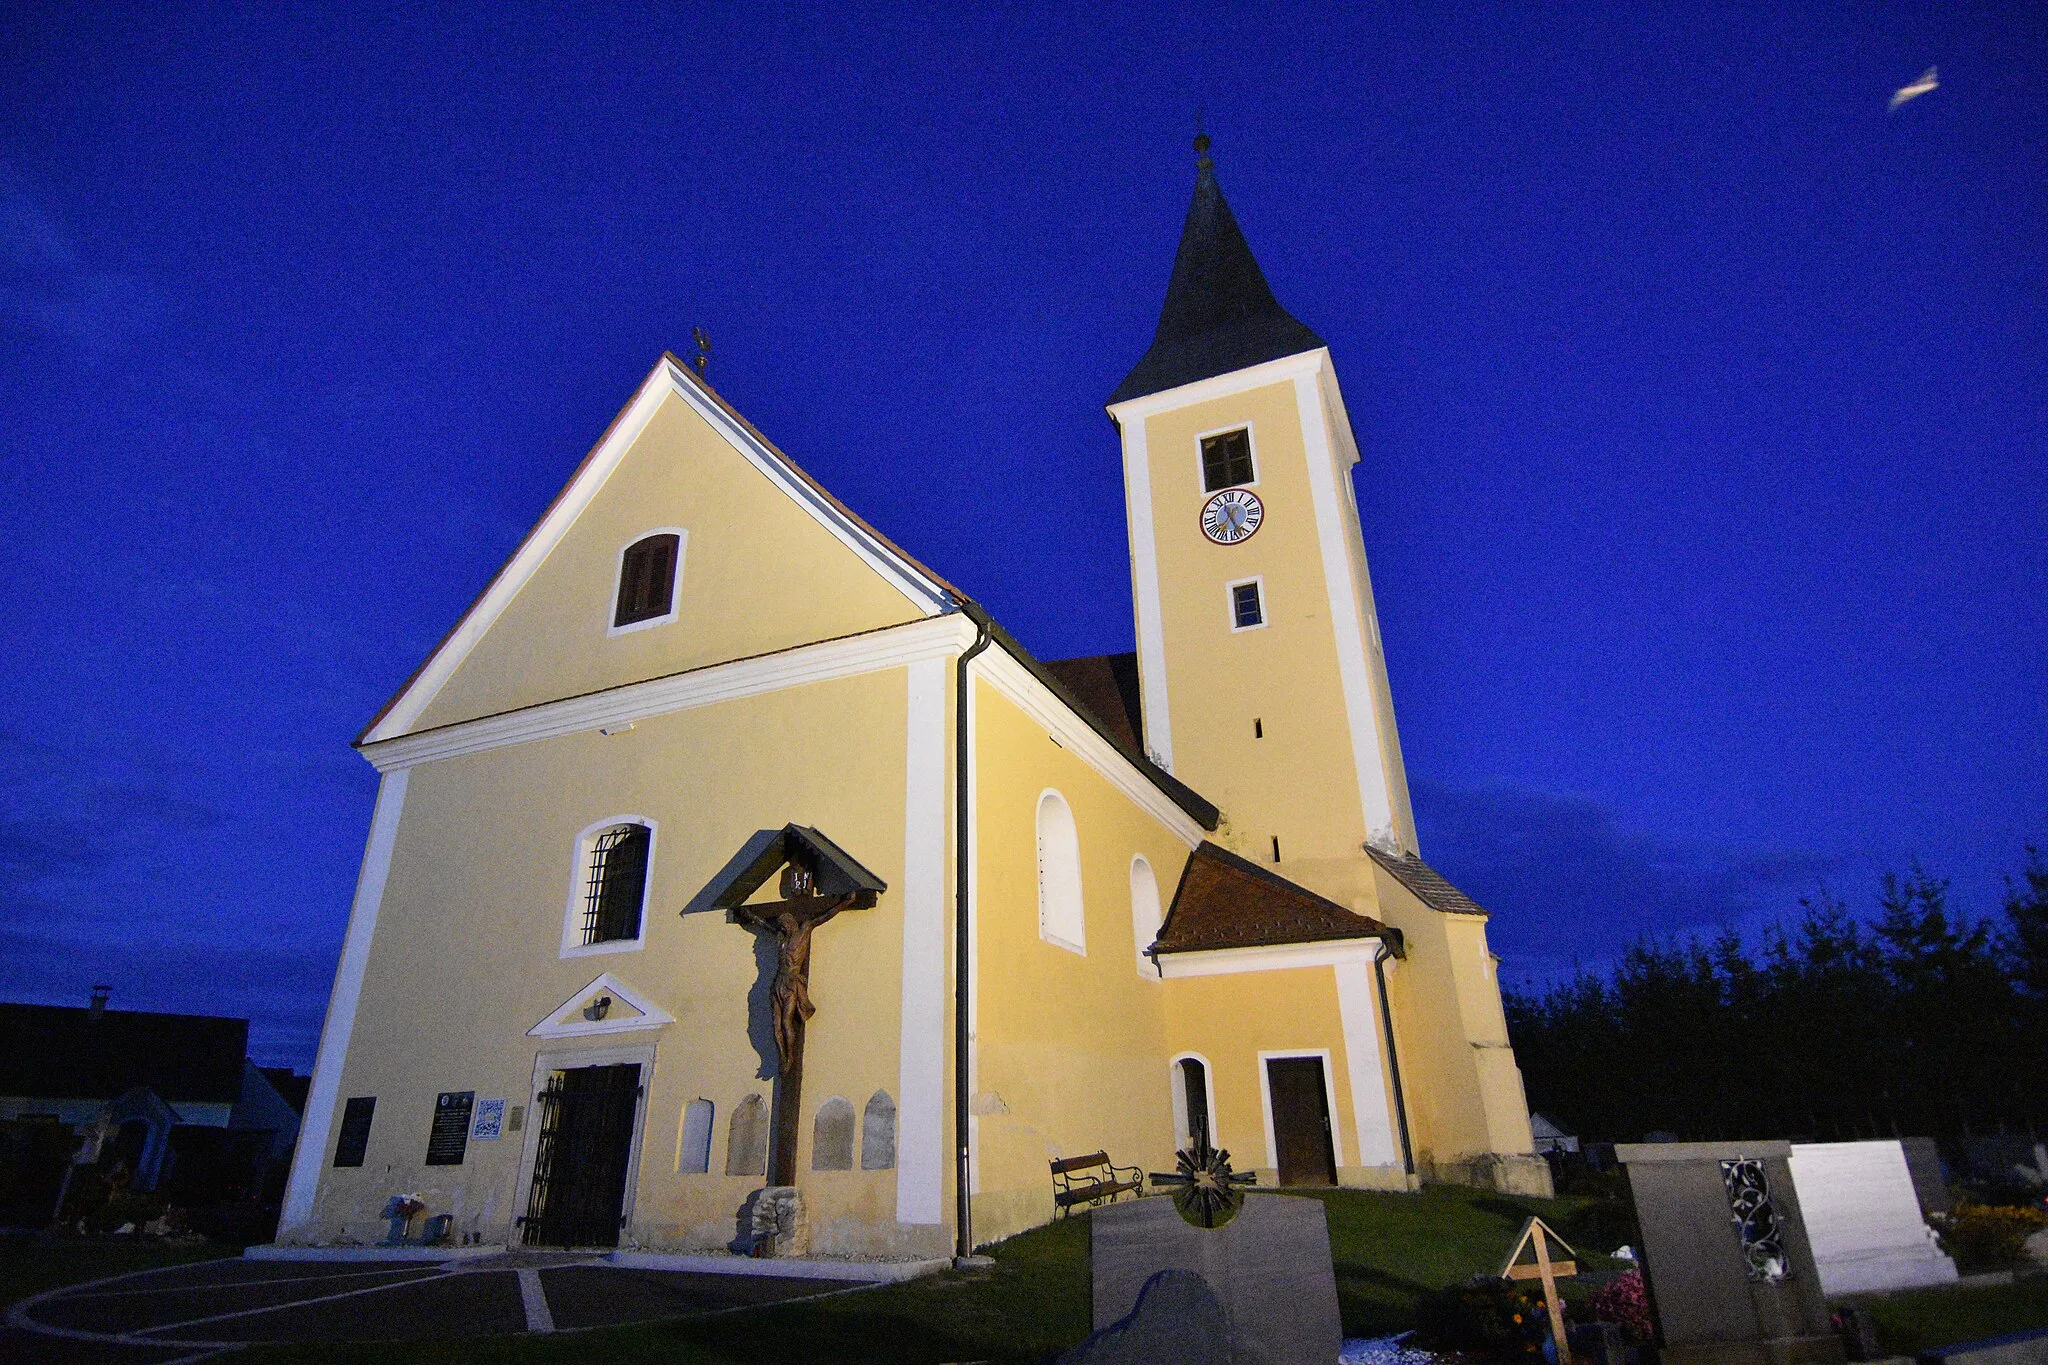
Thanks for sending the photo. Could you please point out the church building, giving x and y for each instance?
(722, 847)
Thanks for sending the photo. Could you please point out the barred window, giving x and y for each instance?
(647, 580)
(616, 884)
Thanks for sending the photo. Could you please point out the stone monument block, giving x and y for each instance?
(1863, 1218)
(1177, 1318)
(1269, 1267)
(1731, 1273)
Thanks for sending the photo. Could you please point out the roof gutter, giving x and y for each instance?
(963, 919)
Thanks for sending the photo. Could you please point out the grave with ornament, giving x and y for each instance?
(1731, 1273)
(1264, 1260)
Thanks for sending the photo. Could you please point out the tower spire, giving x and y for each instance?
(1220, 314)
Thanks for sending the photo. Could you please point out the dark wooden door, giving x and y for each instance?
(581, 1157)
(1301, 1121)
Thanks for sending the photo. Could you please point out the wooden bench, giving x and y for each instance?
(1091, 1180)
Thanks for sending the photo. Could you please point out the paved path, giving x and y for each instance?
(192, 1312)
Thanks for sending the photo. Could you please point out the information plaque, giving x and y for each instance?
(449, 1139)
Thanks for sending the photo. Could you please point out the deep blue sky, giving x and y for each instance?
(1702, 404)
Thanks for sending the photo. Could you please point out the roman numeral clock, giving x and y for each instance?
(1232, 516)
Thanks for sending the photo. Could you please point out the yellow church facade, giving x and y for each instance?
(727, 860)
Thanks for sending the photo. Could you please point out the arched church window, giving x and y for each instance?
(1060, 916)
(878, 1133)
(746, 1139)
(832, 1136)
(693, 1142)
(1145, 915)
(615, 881)
(647, 580)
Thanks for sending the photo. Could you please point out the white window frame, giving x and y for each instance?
(675, 588)
(1175, 1087)
(1140, 939)
(1329, 1098)
(1078, 946)
(1251, 441)
(579, 885)
(1230, 603)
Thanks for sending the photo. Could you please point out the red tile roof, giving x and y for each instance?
(1224, 901)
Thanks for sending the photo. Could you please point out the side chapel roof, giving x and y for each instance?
(1426, 882)
(1224, 901)
(1220, 314)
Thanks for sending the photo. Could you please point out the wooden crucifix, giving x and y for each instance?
(790, 922)
(818, 880)
(1537, 1237)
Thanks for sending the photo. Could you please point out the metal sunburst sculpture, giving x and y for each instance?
(1203, 1184)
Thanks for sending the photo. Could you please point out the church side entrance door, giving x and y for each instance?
(578, 1195)
(1301, 1121)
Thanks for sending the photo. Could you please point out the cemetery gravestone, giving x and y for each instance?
(1731, 1274)
(1269, 1267)
(1863, 1218)
(1923, 1159)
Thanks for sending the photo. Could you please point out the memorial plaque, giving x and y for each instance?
(448, 1141)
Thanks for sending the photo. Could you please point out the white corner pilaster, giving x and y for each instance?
(1145, 594)
(1358, 1012)
(1347, 613)
(921, 1077)
(341, 1004)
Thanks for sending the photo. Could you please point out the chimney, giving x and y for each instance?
(99, 1001)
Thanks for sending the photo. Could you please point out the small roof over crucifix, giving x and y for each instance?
(834, 872)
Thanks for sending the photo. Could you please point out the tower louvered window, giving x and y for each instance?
(647, 580)
(1227, 460)
(617, 883)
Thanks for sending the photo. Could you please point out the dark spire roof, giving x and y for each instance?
(1220, 313)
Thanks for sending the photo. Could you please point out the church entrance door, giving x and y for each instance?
(1301, 1121)
(585, 1148)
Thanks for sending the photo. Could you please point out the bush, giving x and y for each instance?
(1482, 1314)
(1987, 1236)
(1625, 1300)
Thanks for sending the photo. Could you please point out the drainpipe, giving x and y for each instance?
(1379, 971)
(963, 1217)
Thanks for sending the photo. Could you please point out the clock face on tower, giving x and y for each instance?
(1232, 516)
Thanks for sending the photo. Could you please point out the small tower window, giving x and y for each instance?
(647, 579)
(1227, 460)
(617, 884)
(1247, 605)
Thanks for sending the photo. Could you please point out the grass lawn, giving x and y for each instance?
(1389, 1250)
(29, 1268)
(1922, 1319)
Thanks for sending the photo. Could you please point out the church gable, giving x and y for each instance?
(739, 553)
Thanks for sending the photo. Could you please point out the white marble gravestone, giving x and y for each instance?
(1863, 1218)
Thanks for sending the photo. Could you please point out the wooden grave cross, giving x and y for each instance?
(1537, 1237)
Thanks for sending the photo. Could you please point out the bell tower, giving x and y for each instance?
(1262, 681)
